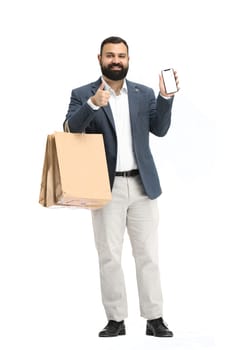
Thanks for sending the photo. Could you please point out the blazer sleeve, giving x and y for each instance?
(160, 114)
(79, 114)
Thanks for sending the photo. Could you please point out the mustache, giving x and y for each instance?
(115, 65)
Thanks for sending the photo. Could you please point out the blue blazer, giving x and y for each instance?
(147, 114)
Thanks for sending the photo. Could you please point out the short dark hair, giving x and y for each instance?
(113, 40)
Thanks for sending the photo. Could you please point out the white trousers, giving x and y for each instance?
(130, 208)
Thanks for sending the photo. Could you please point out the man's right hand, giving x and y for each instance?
(101, 96)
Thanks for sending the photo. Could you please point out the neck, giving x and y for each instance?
(115, 85)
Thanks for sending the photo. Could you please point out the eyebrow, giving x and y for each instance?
(113, 53)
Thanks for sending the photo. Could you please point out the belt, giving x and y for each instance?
(133, 172)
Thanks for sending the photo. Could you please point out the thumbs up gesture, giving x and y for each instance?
(101, 96)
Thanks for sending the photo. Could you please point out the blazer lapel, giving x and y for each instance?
(133, 96)
(108, 112)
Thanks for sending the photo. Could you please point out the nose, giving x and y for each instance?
(116, 59)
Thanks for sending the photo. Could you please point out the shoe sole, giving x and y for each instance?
(122, 332)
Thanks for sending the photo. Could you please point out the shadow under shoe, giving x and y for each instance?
(113, 329)
(158, 328)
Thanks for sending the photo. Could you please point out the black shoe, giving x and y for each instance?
(158, 328)
(113, 329)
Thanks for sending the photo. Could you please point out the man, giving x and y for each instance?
(125, 112)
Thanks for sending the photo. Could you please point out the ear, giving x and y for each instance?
(99, 57)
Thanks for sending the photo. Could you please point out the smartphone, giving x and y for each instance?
(169, 80)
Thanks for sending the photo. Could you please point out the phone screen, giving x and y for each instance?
(169, 80)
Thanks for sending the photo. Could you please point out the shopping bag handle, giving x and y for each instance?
(67, 129)
(66, 126)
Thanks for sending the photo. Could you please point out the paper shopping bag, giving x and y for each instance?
(75, 171)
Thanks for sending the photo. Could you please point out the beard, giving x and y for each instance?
(112, 74)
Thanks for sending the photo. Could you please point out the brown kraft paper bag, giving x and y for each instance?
(75, 171)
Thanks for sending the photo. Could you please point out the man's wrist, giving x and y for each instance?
(92, 105)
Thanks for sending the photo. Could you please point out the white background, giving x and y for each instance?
(49, 293)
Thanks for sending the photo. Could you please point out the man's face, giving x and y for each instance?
(114, 61)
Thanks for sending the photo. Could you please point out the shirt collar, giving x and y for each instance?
(124, 88)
